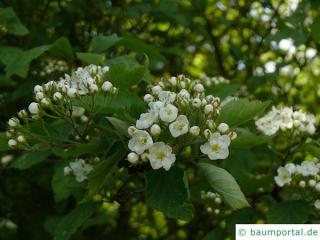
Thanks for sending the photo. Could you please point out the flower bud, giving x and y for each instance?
(84, 119)
(155, 130)
(67, 171)
(196, 102)
(106, 86)
(317, 187)
(21, 139)
(34, 108)
(22, 114)
(312, 183)
(39, 96)
(233, 135)
(45, 102)
(208, 109)
(133, 158)
(37, 89)
(199, 88)
(195, 131)
(57, 96)
(223, 127)
(173, 81)
(207, 133)
(93, 88)
(148, 98)
(156, 90)
(12, 143)
(302, 184)
(131, 130)
(13, 122)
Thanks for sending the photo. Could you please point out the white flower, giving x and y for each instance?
(160, 155)
(140, 141)
(155, 107)
(80, 169)
(155, 130)
(180, 126)
(168, 113)
(148, 98)
(208, 109)
(84, 119)
(133, 158)
(12, 143)
(167, 96)
(317, 187)
(34, 108)
(291, 167)
(283, 177)
(307, 168)
(317, 204)
(223, 127)
(145, 120)
(216, 147)
(195, 130)
(106, 86)
(71, 92)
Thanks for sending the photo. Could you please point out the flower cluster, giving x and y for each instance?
(209, 81)
(50, 66)
(55, 99)
(79, 168)
(286, 119)
(215, 204)
(304, 175)
(179, 112)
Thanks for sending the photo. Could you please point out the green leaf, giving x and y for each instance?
(91, 58)
(19, 64)
(27, 160)
(240, 111)
(223, 182)
(215, 234)
(9, 53)
(63, 48)
(3, 142)
(101, 43)
(125, 77)
(222, 90)
(11, 22)
(315, 33)
(65, 186)
(167, 192)
(246, 139)
(290, 212)
(119, 125)
(99, 176)
(74, 220)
